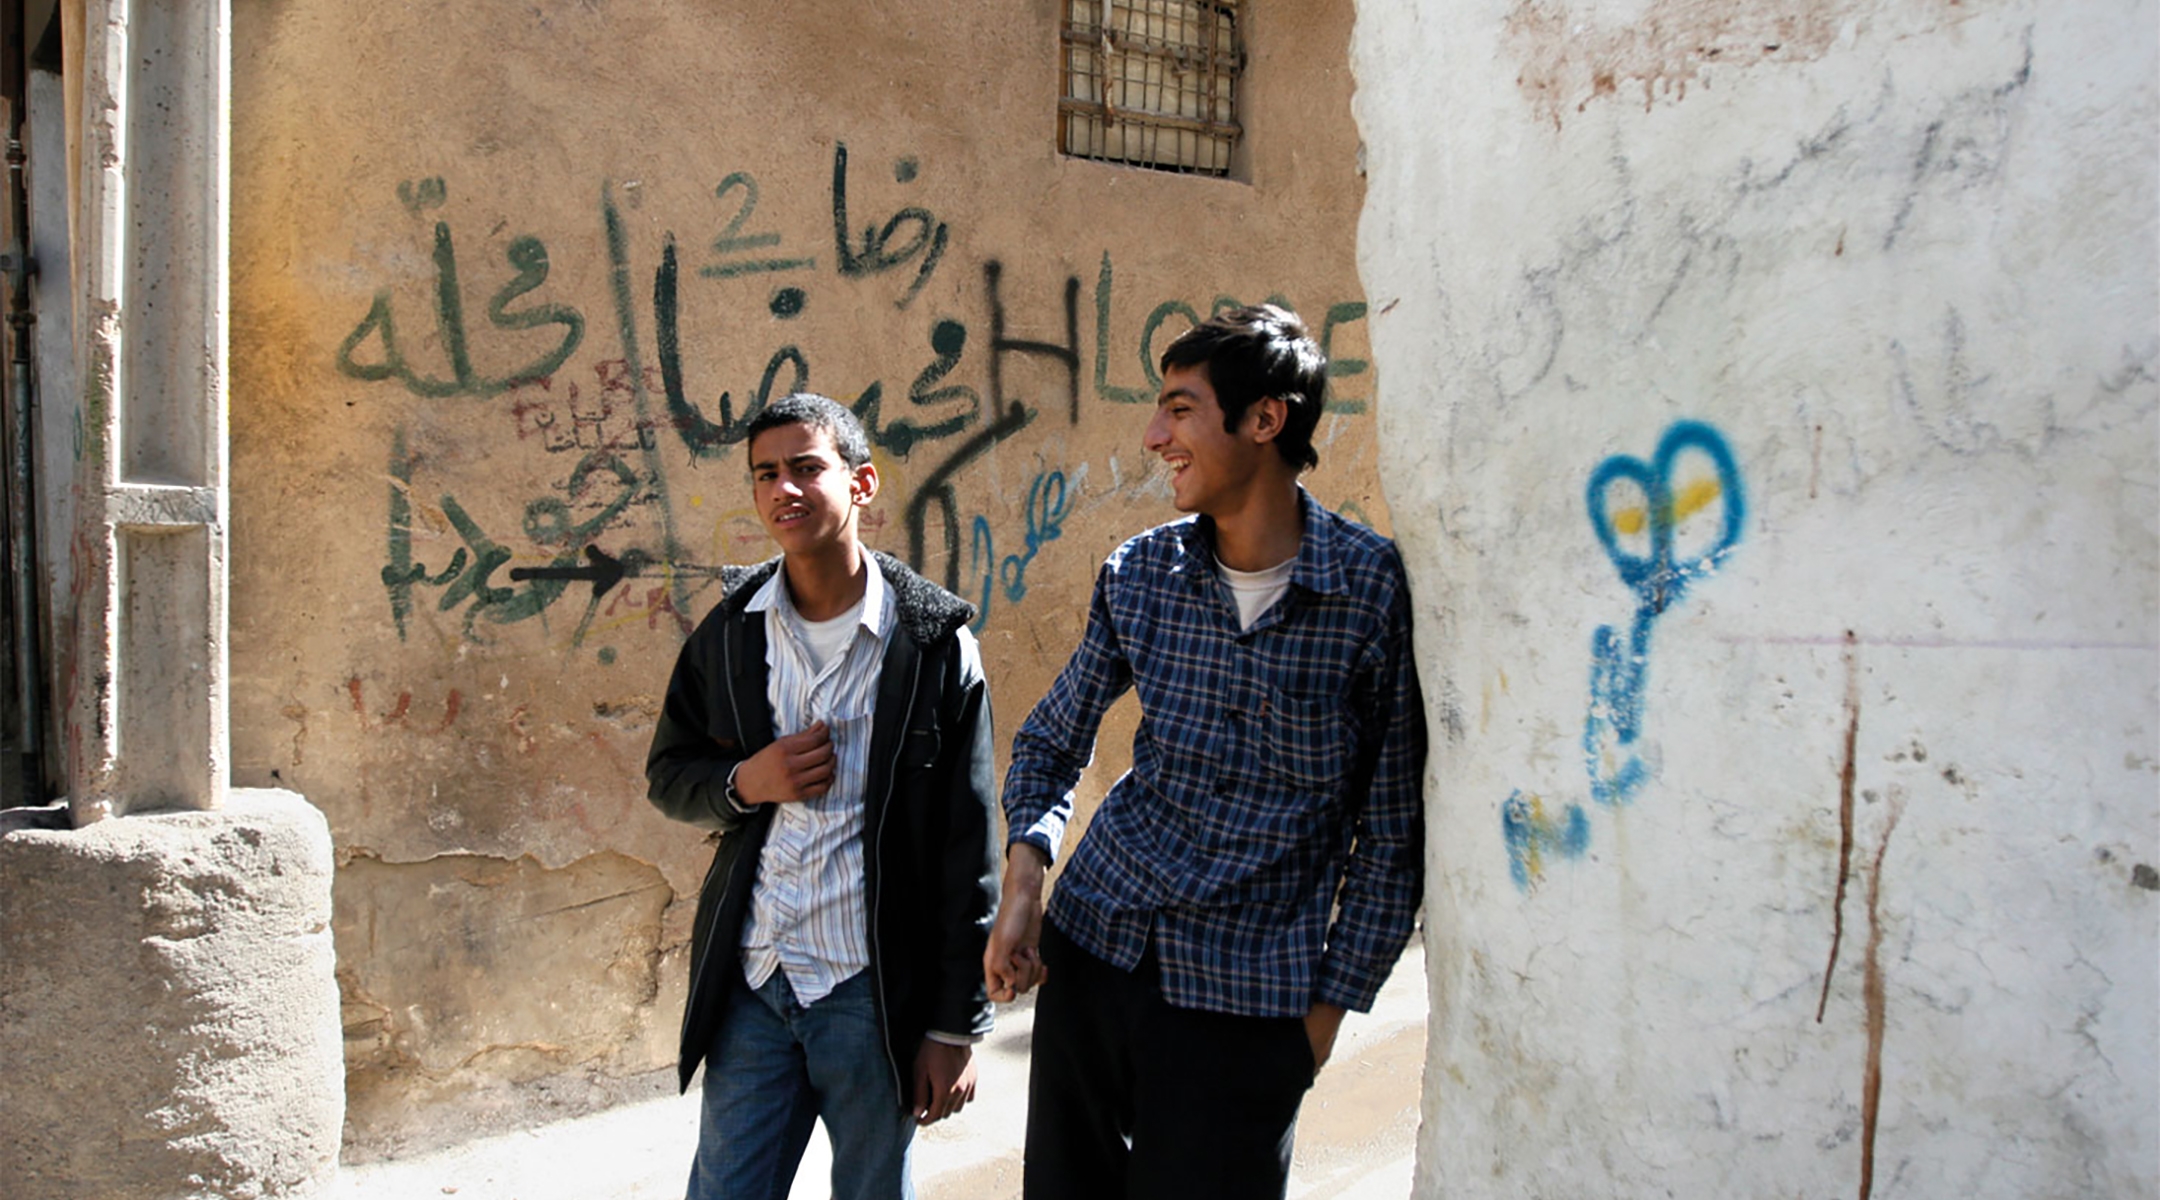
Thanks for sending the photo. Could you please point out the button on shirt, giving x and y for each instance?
(807, 909)
(1277, 770)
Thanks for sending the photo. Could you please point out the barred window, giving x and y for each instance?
(1152, 83)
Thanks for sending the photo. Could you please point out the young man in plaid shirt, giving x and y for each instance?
(1258, 870)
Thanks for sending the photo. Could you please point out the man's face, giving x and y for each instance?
(805, 493)
(1211, 468)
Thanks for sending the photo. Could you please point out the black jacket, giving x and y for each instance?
(929, 840)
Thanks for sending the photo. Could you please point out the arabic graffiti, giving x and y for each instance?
(874, 255)
(948, 340)
(603, 418)
(936, 488)
(471, 566)
(526, 255)
(631, 414)
(1045, 522)
(1663, 524)
(732, 239)
(704, 437)
(982, 566)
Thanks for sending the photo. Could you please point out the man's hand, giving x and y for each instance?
(796, 767)
(1322, 1021)
(1012, 963)
(944, 1080)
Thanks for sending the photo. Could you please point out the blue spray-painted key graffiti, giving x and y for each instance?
(1658, 552)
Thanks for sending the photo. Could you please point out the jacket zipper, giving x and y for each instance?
(877, 956)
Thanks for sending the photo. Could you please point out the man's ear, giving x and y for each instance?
(1266, 417)
(863, 485)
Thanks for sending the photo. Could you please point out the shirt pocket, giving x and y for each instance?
(851, 754)
(1304, 742)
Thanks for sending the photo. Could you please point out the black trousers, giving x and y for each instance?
(1130, 1098)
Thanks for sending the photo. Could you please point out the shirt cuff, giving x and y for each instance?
(1347, 988)
(953, 1039)
(734, 798)
(1034, 836)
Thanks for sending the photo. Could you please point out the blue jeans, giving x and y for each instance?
(774, 1069)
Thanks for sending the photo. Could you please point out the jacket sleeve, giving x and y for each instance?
(1383, 876)
(686, 771)
(968, 895)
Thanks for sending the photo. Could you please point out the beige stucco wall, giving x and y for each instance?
(511, 915)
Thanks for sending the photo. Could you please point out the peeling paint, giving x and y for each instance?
(467, 971)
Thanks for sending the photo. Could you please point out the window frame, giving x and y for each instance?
(1151, 47)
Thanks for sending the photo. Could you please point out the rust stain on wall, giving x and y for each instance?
(1877, 1012)
(1846, 774)
(1570, 58)
(399, 709)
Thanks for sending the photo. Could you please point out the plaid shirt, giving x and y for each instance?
(1277, 771)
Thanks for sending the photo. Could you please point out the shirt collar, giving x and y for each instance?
(876, 612)
(1319, 558)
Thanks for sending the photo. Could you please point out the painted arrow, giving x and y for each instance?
(605, 572)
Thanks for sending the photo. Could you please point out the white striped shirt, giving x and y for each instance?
(807, 907)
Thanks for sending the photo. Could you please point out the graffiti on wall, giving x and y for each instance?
(1532, 836)
(373, 351)
(1148, 346)
(1642, 536)
(610, 533)
(1663, 524)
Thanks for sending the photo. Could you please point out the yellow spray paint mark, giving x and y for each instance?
(1692, 499)
(1533, 860)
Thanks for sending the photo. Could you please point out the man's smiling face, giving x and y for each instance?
(1211, 468)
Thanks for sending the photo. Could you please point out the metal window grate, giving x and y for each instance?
(1151, 83)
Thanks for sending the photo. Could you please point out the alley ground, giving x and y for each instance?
(1356, 1135)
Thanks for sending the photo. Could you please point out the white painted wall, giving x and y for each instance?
(1898, 259)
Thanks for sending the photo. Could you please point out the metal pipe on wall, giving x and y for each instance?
(19, 402)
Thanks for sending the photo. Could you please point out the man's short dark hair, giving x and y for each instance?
(818, 412)
(1260, 350)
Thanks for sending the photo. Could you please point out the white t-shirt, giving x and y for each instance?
(824, 640)
(1257, 591)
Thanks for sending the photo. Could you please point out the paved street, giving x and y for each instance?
(1356, 1137)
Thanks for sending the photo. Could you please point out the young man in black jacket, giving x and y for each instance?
(829, 717)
